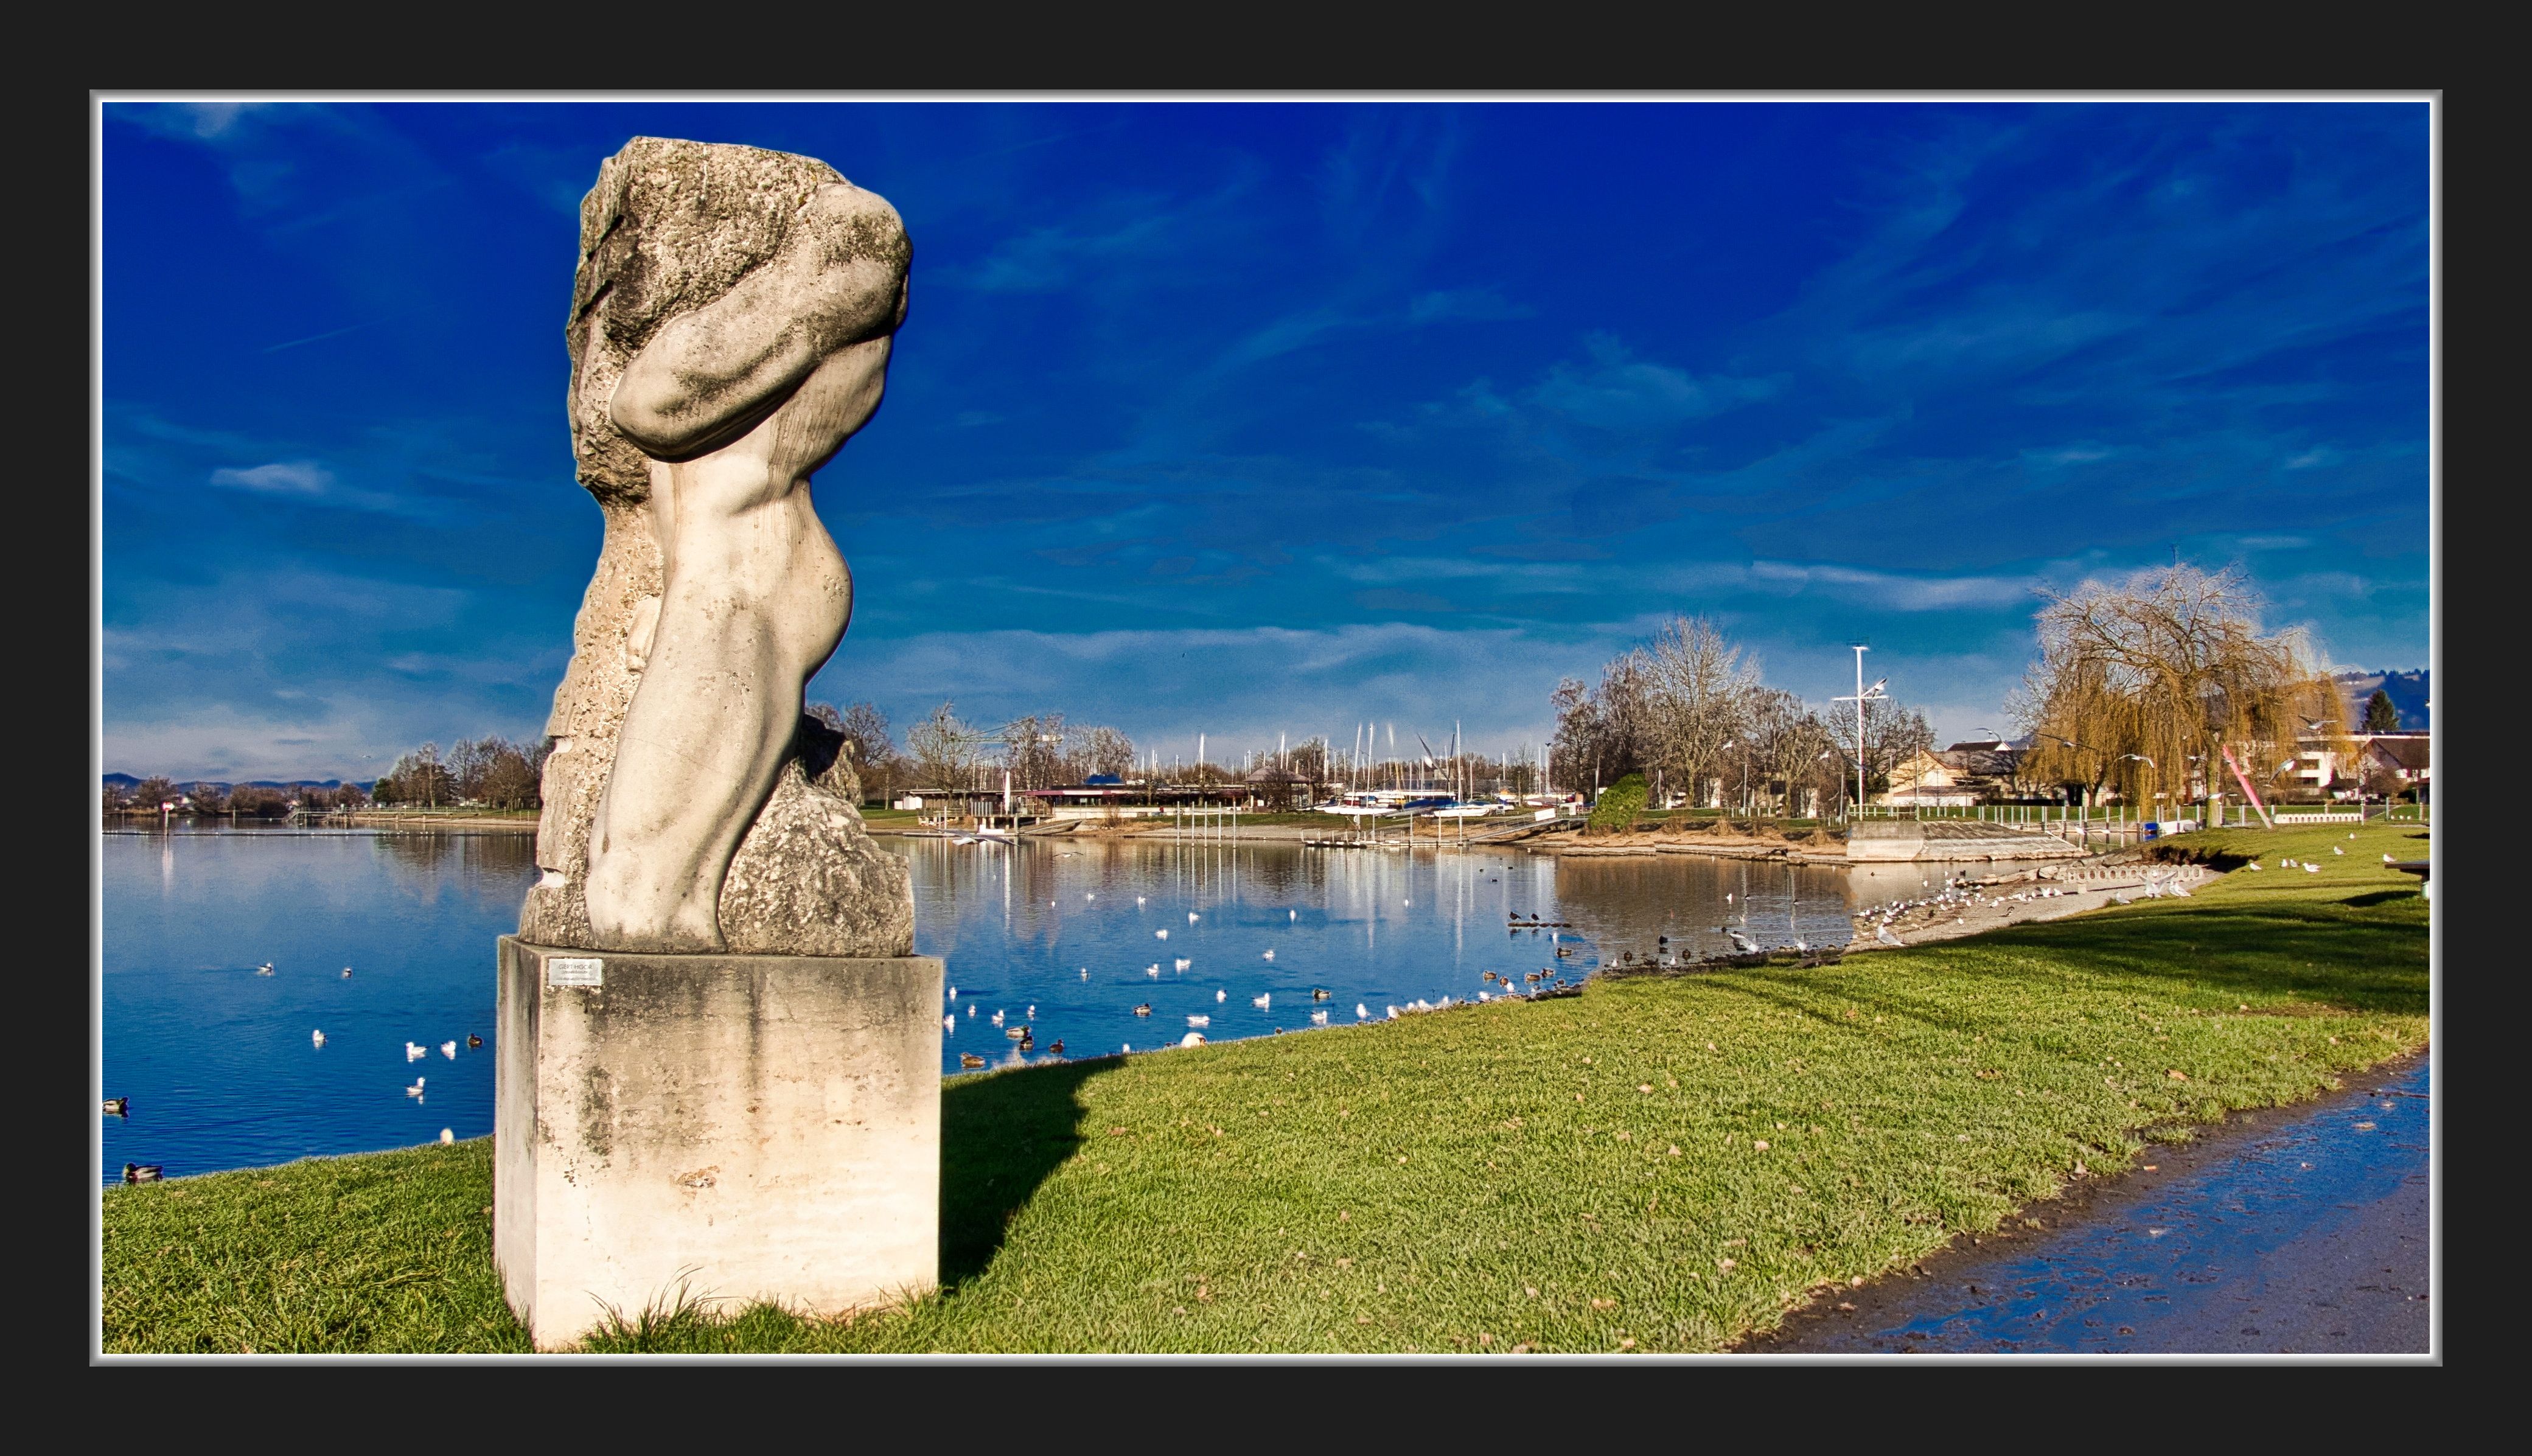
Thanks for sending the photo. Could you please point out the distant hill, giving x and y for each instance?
(127, 780)
(2407, 690)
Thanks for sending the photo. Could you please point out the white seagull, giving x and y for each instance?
(1882, 934)
(448, 1049)
(1181, 963)
(1190, 917)
(317, 1037)
(448, 1135)
(1193, 1038)
(1260, 1001)
(1199, 1021)
(1152, 970)
(416, 1089)
(1162, 934)
(1318, 1019)
(1361, 1013)
(949, 1023)
(1220, 996)
(1269, 956)
(413, 1053)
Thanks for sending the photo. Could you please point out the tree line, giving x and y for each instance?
(1689, 711)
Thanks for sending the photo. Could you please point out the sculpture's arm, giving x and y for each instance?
(712, 375)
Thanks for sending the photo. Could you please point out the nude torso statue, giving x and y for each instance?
(735, 404)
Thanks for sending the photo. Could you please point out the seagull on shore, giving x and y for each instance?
(1882, 934)
(1361, 1013)
(2311, 869)
(448, 1135)
(1393, 1014)
(1740, 942)
(2255, 864)
(143, 1172)
(118, 1107)
(1193, 1038)
(2335, 849)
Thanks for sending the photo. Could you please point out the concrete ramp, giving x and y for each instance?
(1891, 840)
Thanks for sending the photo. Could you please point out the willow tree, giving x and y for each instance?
(2143, 683)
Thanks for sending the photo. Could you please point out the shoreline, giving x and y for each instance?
(1977, 1271)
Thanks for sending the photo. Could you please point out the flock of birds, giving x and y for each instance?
(1023, 1038)
(121, 1107)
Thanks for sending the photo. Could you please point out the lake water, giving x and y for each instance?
(222, 1069)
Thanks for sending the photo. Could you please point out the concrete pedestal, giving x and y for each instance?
(752, 1127)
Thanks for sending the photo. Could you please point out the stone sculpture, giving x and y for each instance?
(719, 1060)
(730, 327)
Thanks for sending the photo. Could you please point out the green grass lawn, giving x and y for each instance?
(1659, 1164)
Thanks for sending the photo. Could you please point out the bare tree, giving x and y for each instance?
(944, 749)
(1102, 750)
(1698, 695)
(2145, 682)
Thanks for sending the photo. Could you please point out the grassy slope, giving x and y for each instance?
(1472, 1180)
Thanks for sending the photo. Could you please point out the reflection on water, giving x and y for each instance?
(1086, 933)
(220, 1061)
(223, 1071)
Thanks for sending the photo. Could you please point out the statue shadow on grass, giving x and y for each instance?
(1001, 1136)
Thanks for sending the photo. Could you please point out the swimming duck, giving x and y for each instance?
(143, 1172)
(473, 1041)
(970, 1059)
(1143, 1009)
(1321, 993)
(1017, 1033)
(347, 973)
(118, 1107)
(1056, 1047)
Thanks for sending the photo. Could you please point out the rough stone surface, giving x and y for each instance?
(746, 1127)
(671, 229)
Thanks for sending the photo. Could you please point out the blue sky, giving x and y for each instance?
(1248, 419)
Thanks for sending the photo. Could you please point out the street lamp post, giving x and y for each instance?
(1862, 696)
